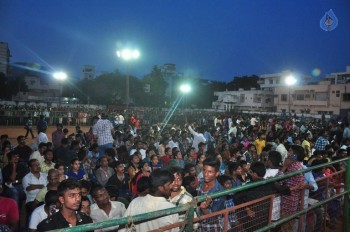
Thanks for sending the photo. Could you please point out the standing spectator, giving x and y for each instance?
(29, 126)
(41, 124)
(321, 141)
(293, 162)
(260, 143)
(161, 185)
(42, 138)
(346, 131)
(197, 136)
(69, 196)
(103, 131)
(260, 215)
(209, 185)
(57, 136)
(103, 208)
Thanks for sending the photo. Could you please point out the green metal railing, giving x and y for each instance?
(190, 207)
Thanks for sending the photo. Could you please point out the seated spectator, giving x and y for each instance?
(177, 160)
(47, 164)
(69, 196)
(121, 181)
(9, 219)
(104, 172)
(13, 174)
(45, 210)
(134, 165)
(103, 208)
(144, 171)
(52, 179)
(154, 164)
(85, 205)
(85, 189)
(32, 183)
(60, 168)
(23, 150)
(76, 172)
(39, 154)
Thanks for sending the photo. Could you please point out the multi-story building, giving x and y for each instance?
(4, 58)
(320, 98)
(87, 72)
(243, 100)
(330, 96)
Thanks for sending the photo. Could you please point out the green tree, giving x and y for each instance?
(158, 86)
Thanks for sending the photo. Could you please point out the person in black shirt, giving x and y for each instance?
(256, 216)
(13, 174)
(120, 181)
(69, 196)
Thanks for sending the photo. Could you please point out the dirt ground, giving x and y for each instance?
(14, 131)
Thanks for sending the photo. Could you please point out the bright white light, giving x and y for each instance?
(290, 80)
(60, 76)
(185, 88)
(128, 54)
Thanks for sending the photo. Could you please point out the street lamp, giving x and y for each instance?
(127, 55)
(61, 77)
(290, 81)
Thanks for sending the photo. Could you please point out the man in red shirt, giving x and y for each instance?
(9, 215)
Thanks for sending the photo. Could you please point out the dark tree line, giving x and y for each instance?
(110, 89)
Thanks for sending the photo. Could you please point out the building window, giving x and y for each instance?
(300, 97)
(278, 82)
(321, 96)
(284, 97)
(337, 93)
(271, 82)
(346, 97)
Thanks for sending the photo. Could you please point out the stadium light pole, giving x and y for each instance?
(290, 81)
(185, 89)
(61, 77)
(128, 55)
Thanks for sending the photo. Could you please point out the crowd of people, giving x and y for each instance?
(120, 169)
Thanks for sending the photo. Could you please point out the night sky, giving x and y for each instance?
(211, 39)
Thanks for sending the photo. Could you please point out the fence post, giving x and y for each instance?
(346, 198)
(189, 219)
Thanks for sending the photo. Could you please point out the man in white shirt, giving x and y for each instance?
(197, 137)
(103, 208)
(39, 154)
(161, 185)
(43, 211)
(33, 182)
